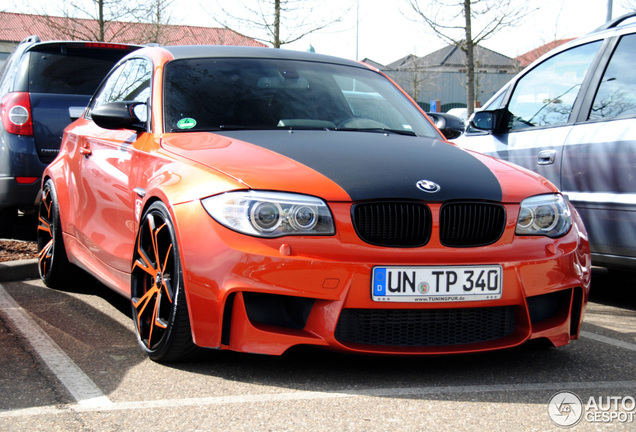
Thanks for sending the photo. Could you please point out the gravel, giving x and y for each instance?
(15, 250)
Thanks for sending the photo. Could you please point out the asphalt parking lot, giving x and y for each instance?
(70, 362)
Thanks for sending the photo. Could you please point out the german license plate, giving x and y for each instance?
(436, 284)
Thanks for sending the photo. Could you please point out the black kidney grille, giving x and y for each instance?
(425, 328)
(471, 224)
(393, 224)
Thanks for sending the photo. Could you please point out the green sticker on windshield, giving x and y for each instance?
(186, 123)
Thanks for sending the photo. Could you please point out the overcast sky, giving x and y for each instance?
(385, 33)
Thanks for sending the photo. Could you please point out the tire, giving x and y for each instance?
(159, 308)
(53, 265)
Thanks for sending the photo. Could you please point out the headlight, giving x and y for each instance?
(545, 215)
(271, 214)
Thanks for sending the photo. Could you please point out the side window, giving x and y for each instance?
(130, 82)
(496, 103)
(616, 94)
(10, 69)
(545, 96)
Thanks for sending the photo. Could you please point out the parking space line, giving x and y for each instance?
(318, 395)
(611, 341)
(81, 387)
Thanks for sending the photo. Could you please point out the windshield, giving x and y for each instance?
(238, 93)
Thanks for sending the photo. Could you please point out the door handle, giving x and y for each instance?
(546, 157)
(85, 151)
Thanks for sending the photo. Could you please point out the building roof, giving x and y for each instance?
(373, 63)
(527, 58)
(404, 62)
(453, 56)
(14, 27)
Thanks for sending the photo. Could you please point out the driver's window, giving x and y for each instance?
(130, 82)
(545, 96)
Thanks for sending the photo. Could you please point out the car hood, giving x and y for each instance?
(348, 166)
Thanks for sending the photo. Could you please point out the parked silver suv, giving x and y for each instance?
(571, 117)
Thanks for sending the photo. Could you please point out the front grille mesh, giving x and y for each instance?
(471, 224)
(408, 224)
(425, 328)
(394, 224)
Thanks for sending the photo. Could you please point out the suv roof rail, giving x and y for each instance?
(615, 22)
(31, 39)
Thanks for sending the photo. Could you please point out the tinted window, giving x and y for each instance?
(616, 95)
(545, 96)
(69, 69)
(213, 94)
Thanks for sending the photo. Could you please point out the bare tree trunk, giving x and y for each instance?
(470, 61)
(276, 24)
(100, 20)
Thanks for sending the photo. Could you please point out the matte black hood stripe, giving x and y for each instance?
(378, 166)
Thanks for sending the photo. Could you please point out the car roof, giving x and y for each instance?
(616, 22)
(202, 51)
(88, 44)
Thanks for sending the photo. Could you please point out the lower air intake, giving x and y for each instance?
(425, 328)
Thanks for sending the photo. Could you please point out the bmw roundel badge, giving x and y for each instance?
(428, 186)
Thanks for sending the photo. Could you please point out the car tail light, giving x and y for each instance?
(105, 45)
(16, 113)
(26, 180)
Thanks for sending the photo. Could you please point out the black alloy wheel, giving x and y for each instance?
(53, 264)
(159, 307)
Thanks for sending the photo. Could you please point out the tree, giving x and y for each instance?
(94, 19)
(157, 14)
(630, 5)
(276, 22)
(467, 23)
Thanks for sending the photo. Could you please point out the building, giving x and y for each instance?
(441, 75)
(15, 27)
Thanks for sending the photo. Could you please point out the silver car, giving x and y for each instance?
(571, 117)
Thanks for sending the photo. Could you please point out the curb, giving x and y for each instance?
(19, 270)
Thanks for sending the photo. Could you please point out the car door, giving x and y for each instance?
(599, 159)
(107, 222)
(539, 106)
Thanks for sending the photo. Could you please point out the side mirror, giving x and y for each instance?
(451, 126)
(495, 121)
(121, 115)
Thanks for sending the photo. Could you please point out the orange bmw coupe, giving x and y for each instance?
(259, 199)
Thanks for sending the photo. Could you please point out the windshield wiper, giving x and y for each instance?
(241, 127)
(379, 130)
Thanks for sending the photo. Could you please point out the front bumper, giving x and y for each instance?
(266, 295)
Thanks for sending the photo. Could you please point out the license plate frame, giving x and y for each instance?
(423, 284)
